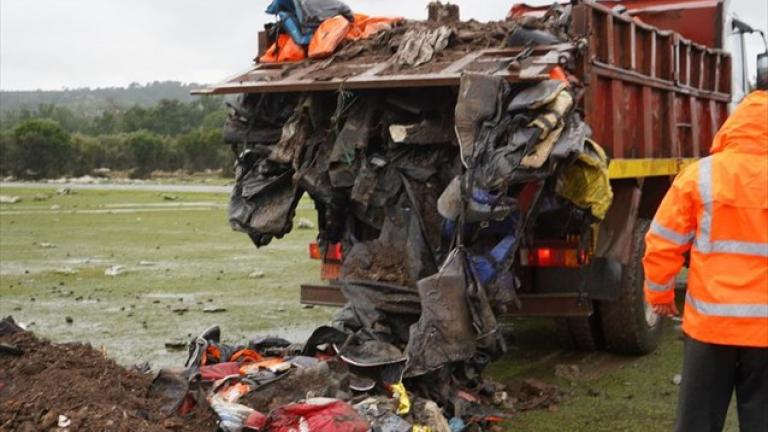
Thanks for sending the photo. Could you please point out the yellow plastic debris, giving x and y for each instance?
(586, 183)
(421, 428)
(403, 402)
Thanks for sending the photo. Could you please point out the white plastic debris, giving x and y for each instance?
(677, 379)
(115, 270)
(46, 245)
(147, 263)
(64, 191)
(55, 207)
(64, 421)
(7, 199)
(256, 274)
(65, 271)
(305, 223)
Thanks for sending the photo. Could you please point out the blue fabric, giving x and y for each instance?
(292, 26)
(281, 6)
(485, 266)
(457, 424)
(483, 197)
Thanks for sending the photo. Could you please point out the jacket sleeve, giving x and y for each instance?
(670, 237)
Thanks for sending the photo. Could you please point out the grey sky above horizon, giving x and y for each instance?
(55, 44)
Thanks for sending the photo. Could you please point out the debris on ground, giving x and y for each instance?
(568, 371)
(214, 309)
(56, 207)
(46, 245)
(51, 384)
(169, 197)
(8, 199)
(179, 309)
(305, 224)
(64, 191)
(66, 271)
(677, 379)
(176, 344)
(533, 394)
(115, 270)
(256, 274)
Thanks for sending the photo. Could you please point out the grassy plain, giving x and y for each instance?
(182, 254)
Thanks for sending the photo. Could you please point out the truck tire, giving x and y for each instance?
(629, 325)
(580, 334)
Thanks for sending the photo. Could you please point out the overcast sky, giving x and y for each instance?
(52, 44)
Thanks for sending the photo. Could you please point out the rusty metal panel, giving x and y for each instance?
(322, 295)
(649, 91)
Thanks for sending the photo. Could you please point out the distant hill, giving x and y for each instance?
(91, 102)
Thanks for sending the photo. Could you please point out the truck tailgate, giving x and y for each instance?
(298, 77)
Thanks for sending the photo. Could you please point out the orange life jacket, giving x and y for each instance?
(718, 209)
(284, 50)
(328, 36)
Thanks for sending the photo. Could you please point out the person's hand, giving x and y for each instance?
(666, 309)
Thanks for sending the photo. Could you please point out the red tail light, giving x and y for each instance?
(333, 253)
(314, 251)
(553, 257)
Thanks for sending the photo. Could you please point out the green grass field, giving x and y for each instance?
(182, 253)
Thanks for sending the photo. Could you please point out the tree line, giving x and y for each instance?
(52, 140)
(91, 101)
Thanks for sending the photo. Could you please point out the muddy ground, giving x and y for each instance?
(48, 386)
(181, 257)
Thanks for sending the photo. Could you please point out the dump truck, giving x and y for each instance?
(655, 81)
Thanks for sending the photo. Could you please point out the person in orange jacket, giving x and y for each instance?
(717, 209)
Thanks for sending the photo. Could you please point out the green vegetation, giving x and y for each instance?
(91, 102)
(52, 140)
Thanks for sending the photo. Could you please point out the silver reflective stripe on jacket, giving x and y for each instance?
(660, 287)
(757, 310)
(704, 242)
(672, 235)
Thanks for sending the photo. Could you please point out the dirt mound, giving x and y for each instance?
(74, 380)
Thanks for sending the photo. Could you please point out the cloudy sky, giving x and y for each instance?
(52, 44)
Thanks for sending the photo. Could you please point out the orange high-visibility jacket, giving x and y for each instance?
(718, 209)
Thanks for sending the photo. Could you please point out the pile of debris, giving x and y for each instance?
(44, 386)
(267, 384)
(430, 192)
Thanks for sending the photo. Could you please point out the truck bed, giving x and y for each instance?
(653, 98)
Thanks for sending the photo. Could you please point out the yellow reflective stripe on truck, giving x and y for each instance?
(633, 168)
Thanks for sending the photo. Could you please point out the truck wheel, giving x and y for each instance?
(629, 325)
(581, 334)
